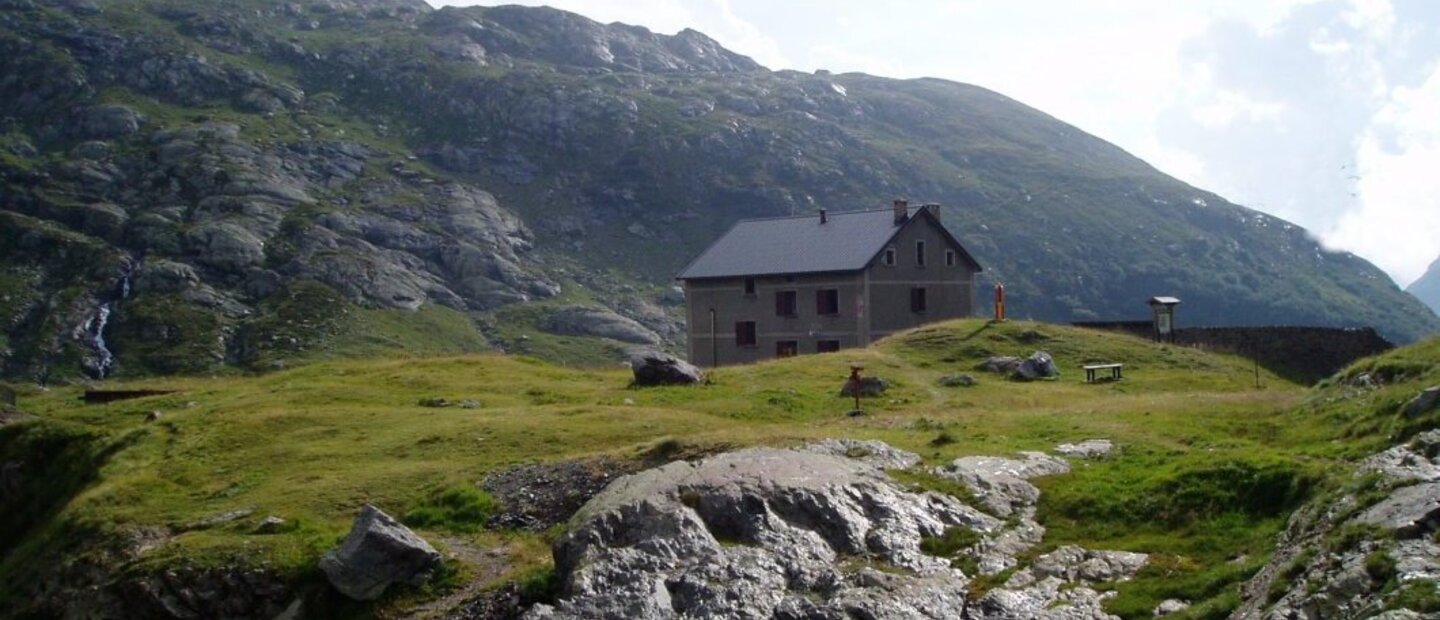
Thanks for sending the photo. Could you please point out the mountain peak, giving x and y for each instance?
(1427, 288)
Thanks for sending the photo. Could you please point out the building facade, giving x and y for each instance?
(790, 286)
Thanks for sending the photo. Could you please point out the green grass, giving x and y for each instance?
(1208, 468)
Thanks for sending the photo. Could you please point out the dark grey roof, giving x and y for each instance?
(801, 244)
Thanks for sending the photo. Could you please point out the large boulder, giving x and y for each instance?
(760, 533)
(655, 368)
(378, 551)
(1038, 366)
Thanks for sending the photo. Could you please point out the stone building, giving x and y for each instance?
(811, 284)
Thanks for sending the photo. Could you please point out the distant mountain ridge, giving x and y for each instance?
(1427, 287)
(195, 185)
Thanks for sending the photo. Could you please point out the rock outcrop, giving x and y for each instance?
(378, 552)
(1342, 559)
(817, 533)
(759, 533)
(588, 321)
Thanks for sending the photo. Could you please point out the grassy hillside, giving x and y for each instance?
(1209, 464)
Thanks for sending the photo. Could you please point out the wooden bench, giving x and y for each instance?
(1114, 369)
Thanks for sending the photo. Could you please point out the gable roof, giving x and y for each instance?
(847, 241)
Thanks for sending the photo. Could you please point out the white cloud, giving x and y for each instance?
(1398, 219)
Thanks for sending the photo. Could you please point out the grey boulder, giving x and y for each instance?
(1038, 366)
(960, 380)
(655, 368)
(1425, 401)
(378, 551)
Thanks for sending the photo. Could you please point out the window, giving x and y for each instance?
(827, 346)
(745, 333)
(787, 348)
(889, 257)
(949, 258)
(917, 300)
(785, 303)
(749, 286)
(919, 253)
(827, 302)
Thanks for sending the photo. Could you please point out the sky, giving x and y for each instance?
(1322, 112)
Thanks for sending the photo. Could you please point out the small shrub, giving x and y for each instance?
(953, 541)
(1422, 596)
(538, 585)
(1380, 566)
(461, 508)
(943, 439)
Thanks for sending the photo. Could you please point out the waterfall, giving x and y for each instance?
(101, 360)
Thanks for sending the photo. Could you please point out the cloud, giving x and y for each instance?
(1397, 220)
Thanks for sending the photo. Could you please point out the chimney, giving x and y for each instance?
(822, 216)
(934, 210)
(902, 210)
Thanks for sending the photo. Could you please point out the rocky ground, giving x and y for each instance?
(1368, 552)
(820, 532)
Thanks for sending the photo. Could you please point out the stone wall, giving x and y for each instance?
(1306, 354)
(1303, 354)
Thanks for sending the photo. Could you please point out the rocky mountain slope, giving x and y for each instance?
(1427, 288)
(189, 186)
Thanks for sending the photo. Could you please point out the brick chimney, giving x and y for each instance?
(822, 216)
(934, 209)
(902, 210)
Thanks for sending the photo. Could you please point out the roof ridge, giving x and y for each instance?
(812, 215)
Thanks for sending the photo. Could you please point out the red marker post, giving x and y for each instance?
(999, 302)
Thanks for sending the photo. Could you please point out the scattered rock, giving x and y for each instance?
(434, 401)
(270, 525)
(869, 387)
(872, 452)
(377, 552)
(1038, 366)
(536, 497)
(1170, 606)
(1425, 401)
(1000, 364)
(1418, 459)
(1072, 563)
(220, 519)
(961, 380)
(469, 404)
(655, 368)
(152, 417)
(1001, 483)
(1088, 449)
